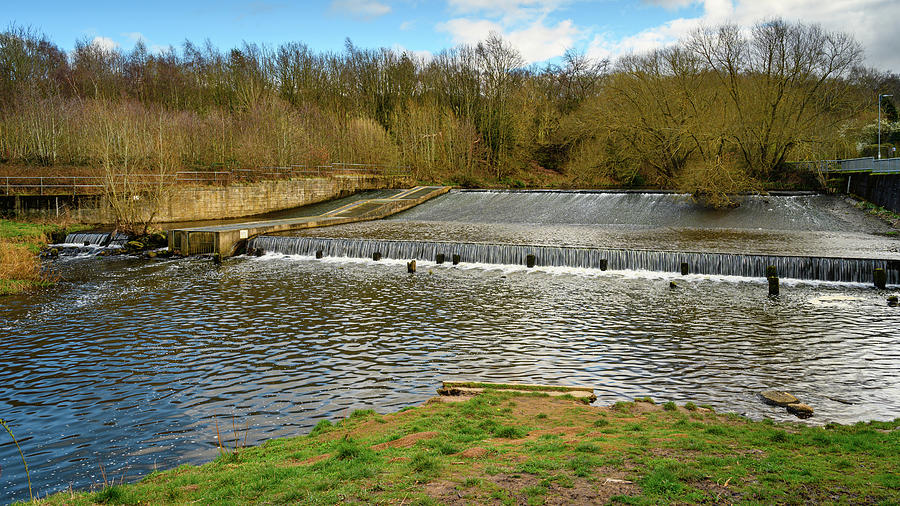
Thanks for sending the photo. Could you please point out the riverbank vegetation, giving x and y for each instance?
(530, 449)
(20, 266)
(722, 111)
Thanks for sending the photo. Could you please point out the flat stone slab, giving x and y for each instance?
(471, 388)
(778, 398)
(800, 410)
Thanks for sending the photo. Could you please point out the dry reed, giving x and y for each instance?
(17, 262)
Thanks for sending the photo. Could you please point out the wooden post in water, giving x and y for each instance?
(411, 266)
(685, 270)
(455, 259)
(880, 278)
(529, 261)
(319, 253)
(603, 264)
(376, 256)
(773, 285)
(439, 258)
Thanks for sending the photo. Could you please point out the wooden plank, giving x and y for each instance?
(515, 386)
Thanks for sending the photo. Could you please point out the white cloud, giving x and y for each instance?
(872, 22)
(604, 46)
(527, 25)
(539, 42)
(104, 43)
(152, 48)
(536, 42)
(670, 4)
(423, 56)
(469, 31)
(509, 11)
(521, 22)
(867, 20)
(361, 9)
(134, 36)
(407, 25)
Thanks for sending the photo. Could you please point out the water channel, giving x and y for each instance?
(128, 362)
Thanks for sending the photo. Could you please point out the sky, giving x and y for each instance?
(542, 30)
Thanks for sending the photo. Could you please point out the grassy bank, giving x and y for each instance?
(504, 448)
(20, 267)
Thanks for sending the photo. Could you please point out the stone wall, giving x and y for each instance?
(200, 203)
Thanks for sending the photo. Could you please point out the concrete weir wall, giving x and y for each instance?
(199, 203)
(235, 201)
(879, 189)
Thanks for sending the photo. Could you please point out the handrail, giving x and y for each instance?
(854, 165)
(74, 185)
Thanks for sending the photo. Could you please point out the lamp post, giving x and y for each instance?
(879, 122)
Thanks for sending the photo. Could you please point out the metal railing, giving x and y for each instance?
(93, 185)
(51, 185)
(854, 165)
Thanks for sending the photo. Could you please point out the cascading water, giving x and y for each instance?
(96, 239)
(809, 268)
(635, 209)
(805, 236)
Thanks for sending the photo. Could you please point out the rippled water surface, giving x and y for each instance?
(127, 362)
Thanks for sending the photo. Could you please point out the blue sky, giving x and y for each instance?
(541, 29)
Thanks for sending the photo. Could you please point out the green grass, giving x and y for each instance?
(886, 215)
(11, 286)
(666, 455)
(18, 229)
(20, 243)
(34, 235)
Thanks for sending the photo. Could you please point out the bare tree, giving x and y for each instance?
(785, 83)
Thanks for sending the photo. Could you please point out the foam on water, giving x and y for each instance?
(424, 266)
(850, 270)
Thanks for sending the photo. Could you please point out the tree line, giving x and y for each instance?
(721, 111)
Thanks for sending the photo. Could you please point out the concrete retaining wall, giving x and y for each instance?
(882, 190)
(198, 203)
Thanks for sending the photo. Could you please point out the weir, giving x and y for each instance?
(96, 239)
(796, 211)
(224, 240)
(754, 266)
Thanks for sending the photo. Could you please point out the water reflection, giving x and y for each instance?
(127, 362)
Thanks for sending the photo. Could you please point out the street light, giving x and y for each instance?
(879, 122)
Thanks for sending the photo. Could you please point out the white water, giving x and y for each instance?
(720, 264)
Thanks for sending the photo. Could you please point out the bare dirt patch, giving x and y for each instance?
(519, 488)
(310, 461)
(473, 453)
